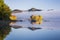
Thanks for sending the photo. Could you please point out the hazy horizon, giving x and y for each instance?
(39, 4)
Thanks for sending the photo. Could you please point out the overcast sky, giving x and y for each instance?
(27, 4)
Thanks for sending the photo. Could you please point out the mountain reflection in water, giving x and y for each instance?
(9, 28)
(5, 28)
(12, 24)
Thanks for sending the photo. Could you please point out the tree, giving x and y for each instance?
(5, 11)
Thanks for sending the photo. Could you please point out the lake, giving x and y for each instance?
(24, 30)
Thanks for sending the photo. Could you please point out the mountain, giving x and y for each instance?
(17, 11)
(34, 9)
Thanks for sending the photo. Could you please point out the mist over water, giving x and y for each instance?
(49, 29)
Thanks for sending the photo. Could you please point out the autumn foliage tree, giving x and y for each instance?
(5, 11)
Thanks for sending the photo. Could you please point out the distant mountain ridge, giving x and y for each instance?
(16, 11)
(34, 9)
(29, 10)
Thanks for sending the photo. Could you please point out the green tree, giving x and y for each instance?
(5, 11)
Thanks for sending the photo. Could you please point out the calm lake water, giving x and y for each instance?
(22, 30)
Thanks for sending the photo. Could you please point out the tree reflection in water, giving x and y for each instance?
(4, 29)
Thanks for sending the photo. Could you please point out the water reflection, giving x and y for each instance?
(4, 29)
(45, 25)
(23, 33)
(13, 24)
(33, 28)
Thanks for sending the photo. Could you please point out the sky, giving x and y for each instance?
(39, 4)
